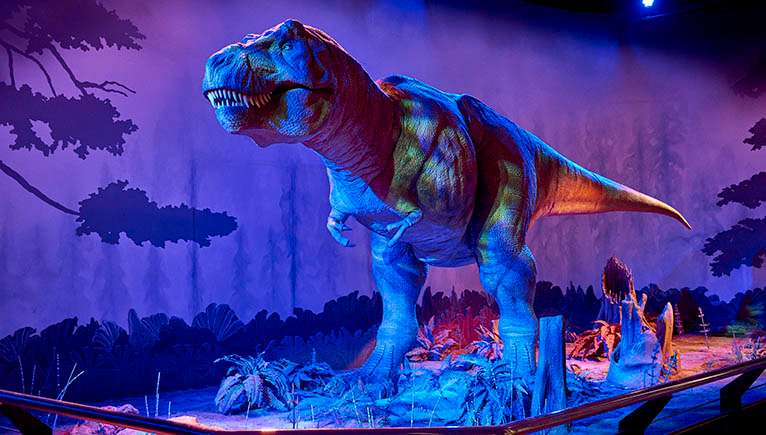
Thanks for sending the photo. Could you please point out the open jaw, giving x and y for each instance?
(221, 97)
(265, 116)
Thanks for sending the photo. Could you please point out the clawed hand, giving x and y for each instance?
(336, 224)
(402, 225)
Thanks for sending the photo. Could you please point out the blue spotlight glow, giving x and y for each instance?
(647, 3)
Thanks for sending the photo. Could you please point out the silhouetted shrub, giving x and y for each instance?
(120, 363)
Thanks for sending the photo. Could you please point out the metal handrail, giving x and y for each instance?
(532, 424)
(592, 409)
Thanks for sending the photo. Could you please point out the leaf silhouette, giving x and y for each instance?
(751, 192)
(741, 245)
(115, 209)
(49, 21)
(758, 139)
(86, 123)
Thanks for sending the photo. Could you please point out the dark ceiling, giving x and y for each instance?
(729, 33)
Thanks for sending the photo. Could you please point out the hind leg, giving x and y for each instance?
(507, 272)
(398, 276)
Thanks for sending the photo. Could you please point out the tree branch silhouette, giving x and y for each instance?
(86, 122)
(10, 49)
(35, 191)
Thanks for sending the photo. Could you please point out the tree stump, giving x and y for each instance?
(549, 393)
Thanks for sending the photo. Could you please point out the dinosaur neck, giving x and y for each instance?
(360, 134)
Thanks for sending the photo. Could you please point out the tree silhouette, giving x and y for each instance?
(4, 256)
(109, 284)
(36, 30)
(291, 220)
(241, 298)
(155, 282)
(744, 244)
(71, 261)
(270, 266)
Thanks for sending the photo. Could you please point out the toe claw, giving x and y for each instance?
(336, 225)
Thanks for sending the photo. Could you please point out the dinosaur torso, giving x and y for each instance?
(433, 169)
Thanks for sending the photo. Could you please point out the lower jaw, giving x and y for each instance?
(232, 119)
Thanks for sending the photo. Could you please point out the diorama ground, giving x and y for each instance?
(197, 406)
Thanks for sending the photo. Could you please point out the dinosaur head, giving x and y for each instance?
(277, 86)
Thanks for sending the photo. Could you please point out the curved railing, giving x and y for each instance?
(15, 406)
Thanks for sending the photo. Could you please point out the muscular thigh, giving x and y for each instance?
(504, 210)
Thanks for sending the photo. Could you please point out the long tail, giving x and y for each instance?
(564, 187)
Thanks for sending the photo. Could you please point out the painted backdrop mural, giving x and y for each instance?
(666, 123)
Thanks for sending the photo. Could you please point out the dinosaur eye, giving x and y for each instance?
(287, 46)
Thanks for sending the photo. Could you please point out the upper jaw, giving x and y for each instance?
(223, 97)
(257, 97)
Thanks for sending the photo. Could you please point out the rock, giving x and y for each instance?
(665, 331)
(636, 361)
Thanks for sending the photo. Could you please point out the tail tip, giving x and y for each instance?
(680, 218)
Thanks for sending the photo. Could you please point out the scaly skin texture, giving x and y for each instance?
(440, 179)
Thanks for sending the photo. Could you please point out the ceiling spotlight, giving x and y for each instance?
(647, 3)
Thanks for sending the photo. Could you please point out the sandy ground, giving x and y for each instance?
(685, 408)
(196, 406)
(695, 356)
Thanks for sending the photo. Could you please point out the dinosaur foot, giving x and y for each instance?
(379, 376)
(519, 355)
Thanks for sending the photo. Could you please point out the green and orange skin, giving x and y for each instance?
(440, 179)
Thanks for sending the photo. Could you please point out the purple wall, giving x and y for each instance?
(663, 123)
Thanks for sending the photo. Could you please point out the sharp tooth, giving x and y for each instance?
(251, 101)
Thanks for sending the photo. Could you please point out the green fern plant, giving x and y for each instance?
(489, 345)
(310, 377)
(495, 395)
(252, 383)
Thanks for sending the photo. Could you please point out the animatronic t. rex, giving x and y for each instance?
(440, 179)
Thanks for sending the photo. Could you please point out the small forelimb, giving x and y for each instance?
(400, 226)
(336, 224)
